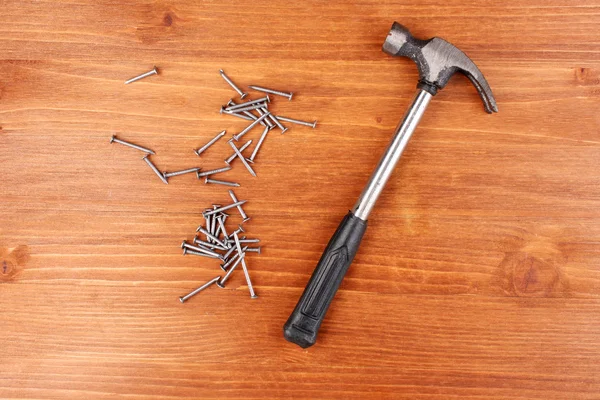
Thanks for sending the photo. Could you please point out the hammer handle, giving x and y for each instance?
(303, 325)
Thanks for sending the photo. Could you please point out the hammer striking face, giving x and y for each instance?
(437, 60)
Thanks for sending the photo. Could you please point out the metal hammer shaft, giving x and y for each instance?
(365, 203)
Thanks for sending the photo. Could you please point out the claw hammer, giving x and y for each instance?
(437, 61)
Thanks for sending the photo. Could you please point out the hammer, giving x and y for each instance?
(437, 61)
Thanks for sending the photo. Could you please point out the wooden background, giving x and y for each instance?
(479, 277)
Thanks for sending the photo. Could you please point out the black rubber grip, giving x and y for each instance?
(303, 325)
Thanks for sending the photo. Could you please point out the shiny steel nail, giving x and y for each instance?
(297, 121)
(240, 209)
(213, 222)
(260, 142)
(134, 146)
(207, 221)
(268, 121)
(196, 253)
(271, 91)
(237, 242)
(234, 155)
(218, 182)
(211, 236)
(185, 245)
(198, 242)
(233, 85)
(176, 173)
(249, 127)
(201, 288)
(210, 143)
(213, 171)
(241, 157)
(221, 283)
(276, 121)
(238, 230)
(156, 171)
(227, 207)
(251, 107)
(253, 249)
(242, 116)
(246, 113)
(244, 241)
(238, 107)
(231, 260)
(154, 71)
(228, 253)
(253, 295)
(221, 223)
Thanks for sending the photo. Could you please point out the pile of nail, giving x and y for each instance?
(241, 110)
(215, 242)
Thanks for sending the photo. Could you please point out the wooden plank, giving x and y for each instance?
(479, 274)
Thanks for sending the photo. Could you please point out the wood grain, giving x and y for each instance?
(479, 277)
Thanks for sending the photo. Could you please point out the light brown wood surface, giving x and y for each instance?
(479, 276)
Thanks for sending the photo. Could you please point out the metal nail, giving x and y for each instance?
(207, 222)
(154, 71)
(205, 247)
(249, 127)
(268, 121)
(201, 288)
(218, 182)
(234, 155)
(214, 171)
(260, 142)
(233, 85)
(238, 107)
(253, 249)
(134, 146)
(221, 283)
(176, 173)
(210, 143)
(276, 121)
(296, 121)
(231, 260)
(211, 236)
(213, 223)
(271, 91)
(241, 157)
(241, 258)
(196, 253)
(246, 117)
(238, 230)
(227, 207)
(228, 253)
(198, 241)
(247, 108)
(246, 113)
(237, 243)
(185, 245)
(240, 209)
(156, 171)
(221, 222)
(253, 295)
(245, 241)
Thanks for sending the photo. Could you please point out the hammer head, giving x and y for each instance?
(437, 60)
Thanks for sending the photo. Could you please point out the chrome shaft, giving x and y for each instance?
(365, 203)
